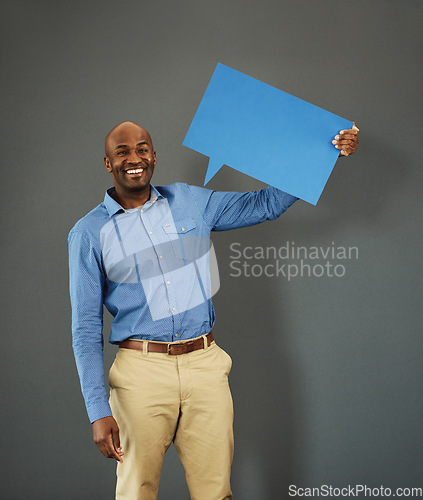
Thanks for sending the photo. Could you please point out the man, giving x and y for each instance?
(143, 253)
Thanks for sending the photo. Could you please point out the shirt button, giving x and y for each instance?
(150, 232)
(160, 256)
(173, 308)
(176, 334)
(168, 282)
(141, 210)
(182, 229)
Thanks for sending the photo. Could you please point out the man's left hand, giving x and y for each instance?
(346, 141)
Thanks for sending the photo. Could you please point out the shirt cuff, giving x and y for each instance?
(99, 410)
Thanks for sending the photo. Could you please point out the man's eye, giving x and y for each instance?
(142, 151)
(120, 153)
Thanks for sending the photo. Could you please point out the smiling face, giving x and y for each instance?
(130, 158)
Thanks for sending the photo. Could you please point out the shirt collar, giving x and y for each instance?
(113, 206)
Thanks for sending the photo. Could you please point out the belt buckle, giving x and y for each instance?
(168, 349)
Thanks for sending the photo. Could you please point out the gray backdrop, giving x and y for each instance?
(327, 371)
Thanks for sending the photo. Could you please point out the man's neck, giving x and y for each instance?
(132, 200)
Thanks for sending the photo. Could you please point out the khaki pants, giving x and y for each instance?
(156, 399)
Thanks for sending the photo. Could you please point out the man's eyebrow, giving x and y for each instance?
(126, 146)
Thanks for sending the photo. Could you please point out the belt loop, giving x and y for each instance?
(145, 347)
(205, 341)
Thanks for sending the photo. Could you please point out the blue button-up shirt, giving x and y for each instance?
(150, 267)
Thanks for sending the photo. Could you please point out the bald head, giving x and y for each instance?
(119, 133)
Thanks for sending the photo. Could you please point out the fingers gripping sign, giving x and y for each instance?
(106, 437)
(347, 141)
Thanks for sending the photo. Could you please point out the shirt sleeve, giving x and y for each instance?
(231, 210)
(86, 283)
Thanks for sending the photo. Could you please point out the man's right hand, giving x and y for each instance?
(106, 437)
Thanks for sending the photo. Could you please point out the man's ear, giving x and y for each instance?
(107, 164)
(155, 158)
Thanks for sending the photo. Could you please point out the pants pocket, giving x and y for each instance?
(228, 360)
(112, 370)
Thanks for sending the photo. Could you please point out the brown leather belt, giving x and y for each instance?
(172, 348)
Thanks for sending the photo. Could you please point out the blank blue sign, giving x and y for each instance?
(265, 133)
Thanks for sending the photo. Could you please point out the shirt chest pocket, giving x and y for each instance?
(183, 240)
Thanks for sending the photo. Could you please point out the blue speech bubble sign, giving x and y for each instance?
(265, 133)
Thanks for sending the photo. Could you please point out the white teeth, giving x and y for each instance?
(137, 171)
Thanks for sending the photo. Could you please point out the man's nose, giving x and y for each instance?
(133, 157)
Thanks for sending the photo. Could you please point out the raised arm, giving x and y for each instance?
(223, 210)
